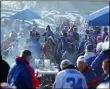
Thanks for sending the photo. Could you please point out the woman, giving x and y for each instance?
(49, 49)
(48, 33)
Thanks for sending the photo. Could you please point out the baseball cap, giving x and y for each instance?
(65, 63)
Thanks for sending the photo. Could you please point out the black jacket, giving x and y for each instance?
(4, 69)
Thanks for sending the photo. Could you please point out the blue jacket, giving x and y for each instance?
(64, 42)
(21, 75)
(90, 60)
(81, 47)
(91, 78)
(99, 59)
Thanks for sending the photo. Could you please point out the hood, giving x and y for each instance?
(21, 61)
(50, 37)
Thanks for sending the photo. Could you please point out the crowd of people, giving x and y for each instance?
(82, 62)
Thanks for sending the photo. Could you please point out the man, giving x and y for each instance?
(91, 78)
(106, 69)
(87, 35)
(4, 69)
(105, 34)
(105, 81)
(75, 34)
(96, 64)
(69, 77)
(89, 54)
(63, 40)
(21, 74)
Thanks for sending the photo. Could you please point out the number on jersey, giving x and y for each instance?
(74, 85)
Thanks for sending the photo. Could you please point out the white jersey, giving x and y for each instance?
(70, 79)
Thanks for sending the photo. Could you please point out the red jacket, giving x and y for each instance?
(91, 78)
(22, 75)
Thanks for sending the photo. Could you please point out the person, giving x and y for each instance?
(70, 53)
(65, 29)
(5, 45)
(49, 49)
(105, 34)
(81, 47)
(13, 35)
(93, 36)
(21, 73)
(89, 54)
(75, 35)
(96, 64)
(35, 33)
(58, 55)
(69, 77)
(98, 31)
(91, 78)
(48, 33)
(4, 69)
(35, 24)
(99, 39)
(106, 69)
(34, 46)
(87, 35)
(57, 34)
(63, 40)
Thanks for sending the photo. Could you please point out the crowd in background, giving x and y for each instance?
(69, 47)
